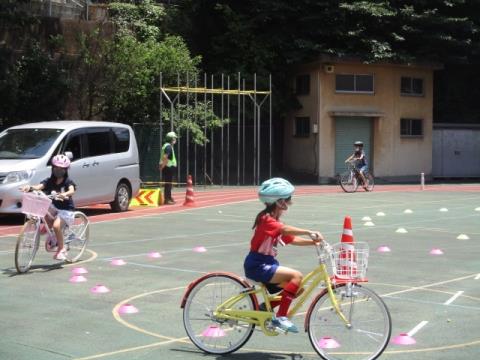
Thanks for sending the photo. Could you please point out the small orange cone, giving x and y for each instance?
(347, 235)
(189, 196)
(347, 265)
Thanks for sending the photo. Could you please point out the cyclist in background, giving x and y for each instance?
(64, 187)
(360, 161)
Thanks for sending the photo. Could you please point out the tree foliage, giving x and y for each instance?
(33, 86)
(258, 35)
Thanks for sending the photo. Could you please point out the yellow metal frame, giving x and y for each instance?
(310, 282)
(204, 90)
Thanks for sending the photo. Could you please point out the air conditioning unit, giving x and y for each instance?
(329, 69)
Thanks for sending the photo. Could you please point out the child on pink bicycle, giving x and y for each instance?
(64, 187)
(260, 264)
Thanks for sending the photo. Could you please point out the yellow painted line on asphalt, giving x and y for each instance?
(169, 339)
(93, 256)
(123, 351)
(117, 316)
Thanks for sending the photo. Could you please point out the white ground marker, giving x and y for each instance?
(401, 231)
(408, 211)
(477, 277)
(369, 223)
(443, 209)
(477, 209)
(452, 299)
(366, 218)
(417, 328)
(462, 237)
(380, 213)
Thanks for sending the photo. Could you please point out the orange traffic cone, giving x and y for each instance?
(347, 266)
(347, 235)
(189, 196)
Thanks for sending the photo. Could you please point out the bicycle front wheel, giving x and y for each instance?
(76, 237)
(348, 181)
(370, 182)
(27, 245)
(212, 335)
(370, 321)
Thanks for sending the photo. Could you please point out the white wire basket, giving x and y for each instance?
(350, 261)
(35, 204)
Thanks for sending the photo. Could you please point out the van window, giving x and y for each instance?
(121, 140)
(74, 145)
(98, 142)
(27, 143)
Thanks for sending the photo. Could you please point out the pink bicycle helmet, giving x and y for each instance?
(61, 161)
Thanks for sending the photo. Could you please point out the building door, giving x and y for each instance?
(347, 131)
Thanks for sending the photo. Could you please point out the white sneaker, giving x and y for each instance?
(284, 323)
(60, 255)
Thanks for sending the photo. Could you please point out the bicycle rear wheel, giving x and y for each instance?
(216, 336)
(370, 182)
(27, 245)
(76, 237)
(370, 329)
(348, 181)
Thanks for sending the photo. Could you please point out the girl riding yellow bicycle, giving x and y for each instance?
(260, 264)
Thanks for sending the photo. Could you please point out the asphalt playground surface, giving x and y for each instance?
(434, 297)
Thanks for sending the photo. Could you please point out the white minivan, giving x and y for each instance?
(105, 163)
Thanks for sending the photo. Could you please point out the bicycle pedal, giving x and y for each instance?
(280, 330)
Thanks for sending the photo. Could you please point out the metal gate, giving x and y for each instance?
(456, 152)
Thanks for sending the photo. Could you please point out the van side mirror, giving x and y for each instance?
(69, 154)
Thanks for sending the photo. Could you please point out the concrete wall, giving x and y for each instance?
(299, 153)
(393, 157)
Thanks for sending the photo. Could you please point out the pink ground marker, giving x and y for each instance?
(78, 279)
(200, 249)
(154, 255)
(436, 251)
(99, 289)
(383, 249)
(327, 342)
(213, 331)
(127, 309)
(118, 262)
(79, 271)
(403, 339)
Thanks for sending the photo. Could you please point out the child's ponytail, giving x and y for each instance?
(268, 210)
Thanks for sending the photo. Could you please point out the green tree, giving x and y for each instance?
(268, 36)
(143, 19)
(194, 118)
(131, 92)
(36, 87)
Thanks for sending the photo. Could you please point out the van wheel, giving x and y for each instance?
(122, 198)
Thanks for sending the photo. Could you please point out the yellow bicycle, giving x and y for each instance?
(345, 320)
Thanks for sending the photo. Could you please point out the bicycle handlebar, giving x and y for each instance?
(53, 195)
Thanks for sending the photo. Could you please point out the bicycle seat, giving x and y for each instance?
(271, 288)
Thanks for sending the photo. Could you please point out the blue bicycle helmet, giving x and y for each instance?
(275, 189)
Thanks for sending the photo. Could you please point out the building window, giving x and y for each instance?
(353, 83)
(411, 86)
(302, 84)
(302, 126)
(411, 127)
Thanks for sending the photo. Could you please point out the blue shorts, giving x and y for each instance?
(260, 267)
(362, 169)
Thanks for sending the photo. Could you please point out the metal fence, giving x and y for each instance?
(238, 153)
(65, 9)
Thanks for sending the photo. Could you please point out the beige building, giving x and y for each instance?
(387, 106)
